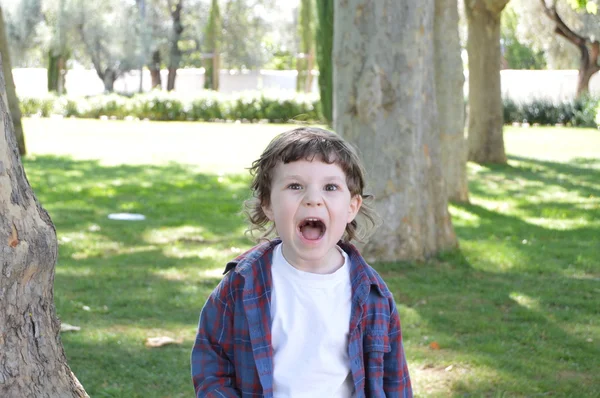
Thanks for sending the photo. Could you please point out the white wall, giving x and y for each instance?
(516, 84)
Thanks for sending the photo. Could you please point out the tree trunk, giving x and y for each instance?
(309, 68)
(175, 53)
(324, 44)
(485, 138)
(449, 83)
(384, 103)
(155, 70)
(13, 101)
(109, 77)
(587, 68)
(32, 360)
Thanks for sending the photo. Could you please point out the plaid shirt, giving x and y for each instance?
(233, 356)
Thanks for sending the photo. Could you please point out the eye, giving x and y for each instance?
(294, 186)
(331, 187)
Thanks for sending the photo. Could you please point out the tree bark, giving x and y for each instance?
(384, 103)
(32, 360)
(155, 70)
(13, 101)
(485, 138)
(449, 83)
(175, 53)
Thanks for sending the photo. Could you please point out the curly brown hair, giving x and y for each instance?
(308, 143)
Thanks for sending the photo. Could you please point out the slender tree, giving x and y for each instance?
(175, 52)
(485, 138)
(589, 47)
(306, 29)
(324, 44)
(13, 100)
(32, 359)
(58, 53)
(213, 41)
(449, 82)
(384, 103)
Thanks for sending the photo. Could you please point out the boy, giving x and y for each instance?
(302, 315)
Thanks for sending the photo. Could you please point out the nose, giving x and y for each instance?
(313, 198)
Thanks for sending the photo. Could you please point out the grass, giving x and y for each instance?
(515, 312)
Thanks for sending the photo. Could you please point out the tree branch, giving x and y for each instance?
(562, 28)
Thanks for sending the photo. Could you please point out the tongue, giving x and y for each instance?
(311, 233)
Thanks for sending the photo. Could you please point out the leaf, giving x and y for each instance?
(65, 327)
(154, 342)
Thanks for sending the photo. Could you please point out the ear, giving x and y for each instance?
(355, 203)
(268, 211)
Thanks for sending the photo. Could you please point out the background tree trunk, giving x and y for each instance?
(175, 53)
(13, 101)
(485, 138)
(449, 83)
(32, 360)
(155, 70)
(213, 34)
(384, 103)
(324, 44)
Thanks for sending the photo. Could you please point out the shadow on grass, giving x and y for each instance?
(513, 309)
(124, 281)
(516, 310)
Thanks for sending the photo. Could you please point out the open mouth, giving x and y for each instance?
(312, 228)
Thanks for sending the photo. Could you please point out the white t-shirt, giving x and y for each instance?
(310, 316)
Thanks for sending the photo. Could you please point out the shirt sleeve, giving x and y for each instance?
(213, 372)
(396, 380)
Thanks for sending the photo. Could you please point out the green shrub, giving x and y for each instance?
(160, 105)
(578, 113)
(584, 111)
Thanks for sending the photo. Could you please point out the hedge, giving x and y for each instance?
(583, 112)
(272, 107)
(160, 105)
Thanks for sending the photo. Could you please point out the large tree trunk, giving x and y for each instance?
(13, 101)
(486, 141)
(32, 360)
(384, 103)
(175, 53)
(449, 83)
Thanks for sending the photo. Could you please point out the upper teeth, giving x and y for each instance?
(312, 219)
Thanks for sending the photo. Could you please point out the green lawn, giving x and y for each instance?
(515, 312)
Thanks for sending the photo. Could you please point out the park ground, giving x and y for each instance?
(515, 312)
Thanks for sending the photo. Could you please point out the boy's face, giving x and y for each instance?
(311, 206)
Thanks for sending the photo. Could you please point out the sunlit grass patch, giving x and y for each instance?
(514, 312)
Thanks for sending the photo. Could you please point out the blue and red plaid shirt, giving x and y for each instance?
(233, 355)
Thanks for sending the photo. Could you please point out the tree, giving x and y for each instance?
(175, 52)
(213, 40)
(58, 54)
(21, 21)
(13, 101)
(32, 359)
(324, 51)
(449, 82)
(384, 103)
(305, 62)
(485, 138)
(518, 55)
(106, 29)
(589, 47)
